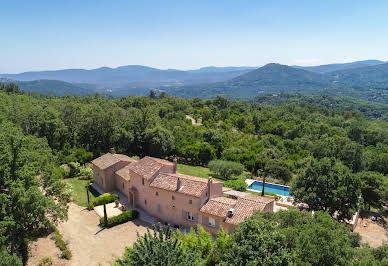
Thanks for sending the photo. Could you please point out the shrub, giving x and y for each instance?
(86, 173)
(105, 199)
(74, 169)
(48, 260)
(238, 184)
(60, 243)
(59, 172)
(121, 218)
(90, 206)
(66, 254)
(226, 169)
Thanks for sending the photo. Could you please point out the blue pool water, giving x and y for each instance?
(272, 188)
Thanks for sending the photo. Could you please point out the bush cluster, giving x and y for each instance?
(60, 243)
(121, 218)
(86, 173)
(105, 199)
(238, 184)
(48, 260)
(226, 169)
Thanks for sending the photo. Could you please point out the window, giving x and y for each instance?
(190, 202)
(157, 193)
(142, 181)
(190, 216)
(212, 222)
(173, 198)
(145, 202)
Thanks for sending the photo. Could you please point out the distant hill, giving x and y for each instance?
(133, 76)
(54, 87)
(368, 83)
(366, 80)
(369, 109)
(271, 78)
(367, 77)
(341, 66)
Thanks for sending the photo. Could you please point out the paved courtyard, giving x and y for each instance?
(89, 244)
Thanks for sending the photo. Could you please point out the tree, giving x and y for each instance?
(237, 184)
(159, 248)
(152, 94)
(7, 259)
(278, 169)
(327, 185)
(257, 242)
(226, 169)
(372, 184)
(323, 241)
(158, 142)
(24, 208)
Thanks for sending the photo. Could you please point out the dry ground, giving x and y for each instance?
(374, 233)
(89, 244)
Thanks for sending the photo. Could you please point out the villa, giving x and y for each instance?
(155, 186)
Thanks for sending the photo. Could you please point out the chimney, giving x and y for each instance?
(112, 150)
(209, 186)
(178, 184)
(175, 166)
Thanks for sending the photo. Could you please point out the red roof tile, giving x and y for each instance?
(105, 161)
(246, 206)
(190, 185)
(109, 159)
(124, 173)
(218, 206)
(147, 166)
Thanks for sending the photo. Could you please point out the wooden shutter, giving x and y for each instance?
(204, 220)
(217, 223)
(184, 215)
(196, 217)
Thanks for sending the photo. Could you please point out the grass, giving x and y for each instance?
(198, 171)
(78, 191)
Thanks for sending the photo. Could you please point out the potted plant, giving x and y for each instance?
(117, 203)
(123, 208)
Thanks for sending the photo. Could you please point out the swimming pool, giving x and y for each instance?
(272, 188)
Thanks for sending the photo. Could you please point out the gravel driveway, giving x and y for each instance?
(89, 244)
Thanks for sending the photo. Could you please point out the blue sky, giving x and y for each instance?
(42, 35)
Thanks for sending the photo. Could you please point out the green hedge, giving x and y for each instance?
(60, 243)
(105, 199)
(121, 218)
(238, 184)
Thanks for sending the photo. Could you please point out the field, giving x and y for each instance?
(198, 171)
(78, 192)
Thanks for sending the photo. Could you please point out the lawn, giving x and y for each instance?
(78, 191)
(198, 171)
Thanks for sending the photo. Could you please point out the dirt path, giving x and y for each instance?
(89, 244)
(373, 233)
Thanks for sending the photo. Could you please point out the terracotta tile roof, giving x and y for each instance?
(147, 166)
(218, 206)
(246, 207)
(190, 185)
(105, 161)
(252, 197)
(110, 159)
(162, 161)
(124, 173)
(124, 158)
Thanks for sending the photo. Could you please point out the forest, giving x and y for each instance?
(291, 143)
